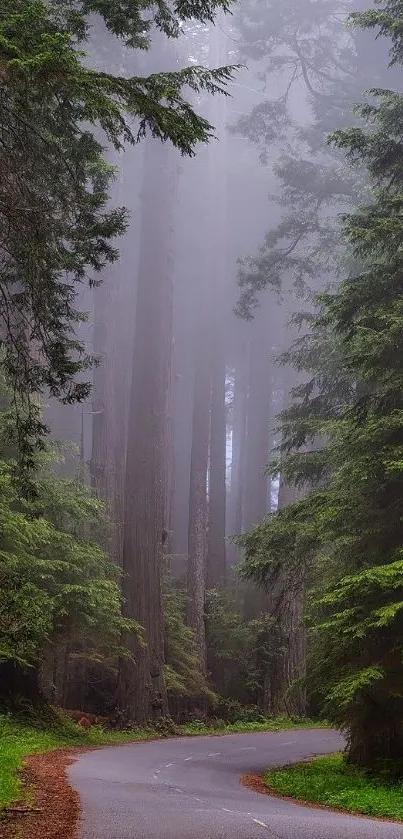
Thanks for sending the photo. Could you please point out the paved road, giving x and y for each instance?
(189, 789)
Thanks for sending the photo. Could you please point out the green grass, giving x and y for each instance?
(332, 782)
(20, 737)
(242, 727)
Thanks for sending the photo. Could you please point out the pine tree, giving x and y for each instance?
(141, 686)
(346, 532)
(56, 229)
(58, 590)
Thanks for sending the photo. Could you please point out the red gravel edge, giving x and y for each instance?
(257, 784)
(49, 792)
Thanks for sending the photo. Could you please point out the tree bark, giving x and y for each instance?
(182, 433)
(235, 511)
(257, 433)
(289, 695)
(255, 485)
(216, 557)
(113, 317)
(198, 512)
(286, 604)
(141, 690)
(109, 407)
(217, 276)
(208, 514)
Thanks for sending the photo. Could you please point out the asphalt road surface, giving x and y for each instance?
(189, 788)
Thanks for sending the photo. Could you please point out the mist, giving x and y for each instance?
(215, 283)
(171, 368)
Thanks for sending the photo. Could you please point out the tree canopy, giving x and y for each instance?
(347, 529)
(57, 229)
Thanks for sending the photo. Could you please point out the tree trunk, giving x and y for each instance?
(182, 433)
(198, 514)
(217, 276)
(289, 695)
(141, 685)
(216, 557)
(286, 604)
(235, 512)
(109, 408)
(257, 435)
(376, 738)
(114, 303)
(255, 489)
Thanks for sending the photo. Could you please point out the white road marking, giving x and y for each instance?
(248, 749)
(262, 824)
(167, 765)
(214, 754)
(188, 758)
(288, 742)
(233, 813)
(158, 771)
(177, 789)
(155, 777)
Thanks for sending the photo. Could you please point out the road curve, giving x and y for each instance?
(188, 788)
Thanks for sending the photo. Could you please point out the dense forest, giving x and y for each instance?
(201, 418)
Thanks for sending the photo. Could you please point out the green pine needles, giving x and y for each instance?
(346, 533)
(57, 230)
(56, 579)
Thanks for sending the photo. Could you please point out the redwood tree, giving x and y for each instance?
(141, 685)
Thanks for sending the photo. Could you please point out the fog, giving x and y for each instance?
(222, 250)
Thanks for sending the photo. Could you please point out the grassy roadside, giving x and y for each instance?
(242, 727)
(20, 738)
(331, 782)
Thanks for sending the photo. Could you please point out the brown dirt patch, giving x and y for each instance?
(55, 805)
(257, 784)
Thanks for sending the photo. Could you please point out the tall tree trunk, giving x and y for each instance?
(286, 604)
(169, 481)
(141, 685)
(257, 434)
(216, 556)
(198, 512)
(217, 276)
(209, 392)
(289, 695)
(255, 488)
(113, 311)
(182, 432)
(235, 507)
(109, 405)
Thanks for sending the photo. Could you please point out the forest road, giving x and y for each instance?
(189, 788)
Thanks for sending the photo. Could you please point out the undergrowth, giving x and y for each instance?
(20, 737)
(243, 726)
(334, 783)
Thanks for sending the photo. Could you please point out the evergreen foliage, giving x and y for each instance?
(241, 655)
(56, 228)
(184, 679)
(348, 527)
(55, 579)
